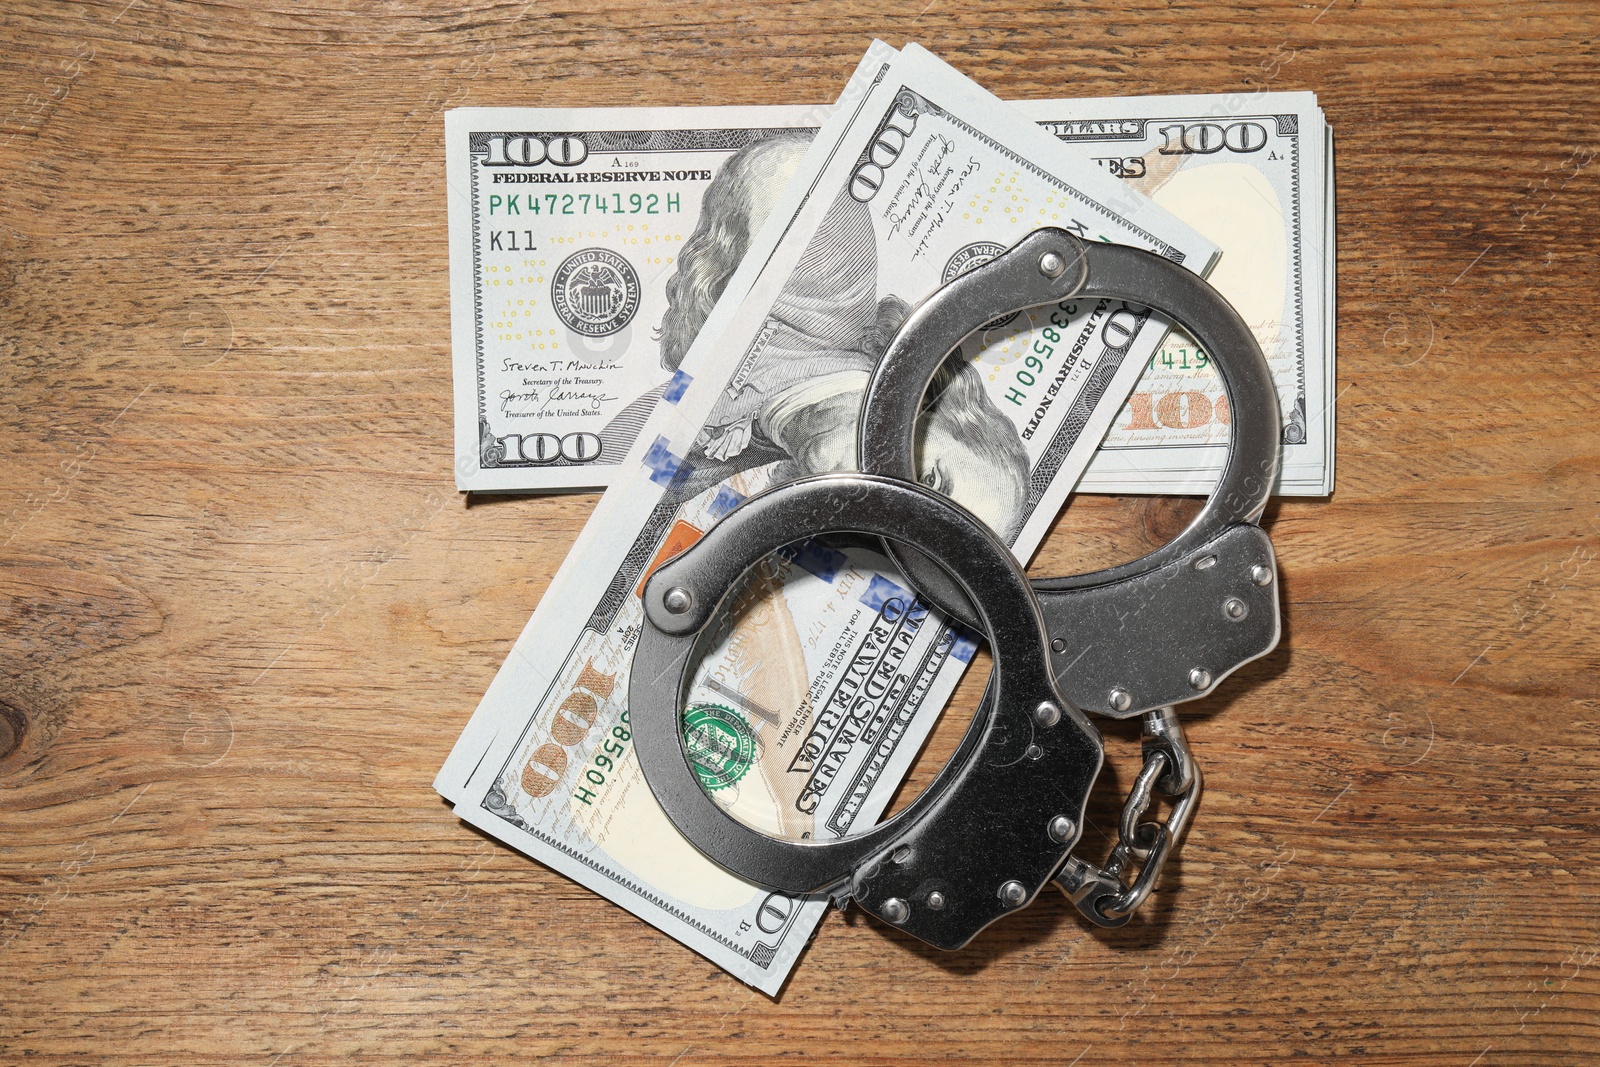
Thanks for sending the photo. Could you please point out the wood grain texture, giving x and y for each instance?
(244, 614)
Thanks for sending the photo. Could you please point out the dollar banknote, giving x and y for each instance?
(566, 226)
(1252, 172)
(809, 706)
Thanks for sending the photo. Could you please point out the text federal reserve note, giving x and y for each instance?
(804, 715)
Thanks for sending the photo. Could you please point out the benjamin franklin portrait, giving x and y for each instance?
(800, 402)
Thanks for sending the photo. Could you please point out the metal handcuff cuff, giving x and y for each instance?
(1002, 817)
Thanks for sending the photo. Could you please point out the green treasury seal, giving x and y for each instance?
(720, 744)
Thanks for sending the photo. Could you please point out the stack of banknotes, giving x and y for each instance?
(684, 305)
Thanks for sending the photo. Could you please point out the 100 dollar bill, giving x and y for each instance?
(567, 226)
(565, 229)
(805, 714)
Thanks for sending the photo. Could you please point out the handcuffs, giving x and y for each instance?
(1002, 817)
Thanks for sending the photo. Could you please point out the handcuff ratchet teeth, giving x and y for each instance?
(1002, 817)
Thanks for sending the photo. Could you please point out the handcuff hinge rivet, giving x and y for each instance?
(677, 600)
(1061, 829)
(1034, 752)
(1051, 265)
(1013, 893)
(895, 910)
(1235, 609)
(1059, 645)
(935, 901)
(1200, 678)
(1120, 699)
(1261, 574)
(1047, 714)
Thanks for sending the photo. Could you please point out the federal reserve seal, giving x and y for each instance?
(596, 292)
(971, 257)
(720, 744)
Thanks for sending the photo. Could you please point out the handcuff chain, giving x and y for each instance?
(1101, 893)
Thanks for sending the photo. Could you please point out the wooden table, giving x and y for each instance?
(244, 612)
